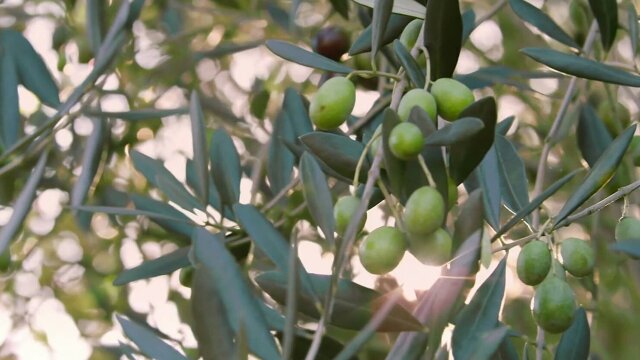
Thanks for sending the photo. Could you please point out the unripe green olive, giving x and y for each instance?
(554, 305)
(382, 250)
(534, 262)
(424, 211)
(406, 141)
(332, 103)
(420, 98)
(433, 249)
(628, 228)
(410, 33)
(451, 97)
(577, 257)
(344, 210)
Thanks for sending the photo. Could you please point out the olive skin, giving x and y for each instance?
(331, 42)
(451, 97)
(627, 228)
(406, 141)
(534, 262)
(577, 257)
(433, 249)
(332, 103)
(554, 305)
(344, 210)
(424, 211)
(420, 98)
(382, 250)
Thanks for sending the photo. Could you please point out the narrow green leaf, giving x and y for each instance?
(534, 204)
(90, 161)
(606, 13)
(468, 24)
(479, 316)
(281, 160)
(503, 127)
(394, 28)
(542, 22)
(498, 74)
(162, 214)
(200, 156)
(10, 124)
(328, 350)
(341, 7)
(443, 36)
(409, 64)
(381, 13)
(576, 341)
(507, 351)
(593, 136)
(303, 57)
(630, 247)
(23, 203)
(338, 152)
(514, 185)
(149, 167)
(599, 175)
(176, 192)
(354, 304)
(225, 49)
(316, 192)
(137, 115)
(394, 167)
(295, 105)
(95, 17)
(405, 7)
(211, 324)
(582, 67)
(457, 131)
(214, 197)
(279, 15)
(489, 343)
(488, 174)
(466, 156)
(148, 342)
(225, 167)
(241, 305)
(633, 27)
(163, 265)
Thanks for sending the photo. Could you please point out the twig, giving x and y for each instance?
(281, 194)
(515, 243)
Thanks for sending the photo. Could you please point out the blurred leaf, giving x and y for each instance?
(628, 246)
(150, 168)
(341, 7)
(200, 156)
(593, 136)
(633, 27)
(582, 67)
(534, 204)
(137, 115)
(163, 265)
(177, 193)
(468, 23)
(214, 197)
(479, 316)
(90, 161)
(338, 152)
(280, 161)
(163, 214)
(241, 305)
(394, 167)
(606, 13)
(488, 174)
(211, 325)
(303, 57)
(172, 20)
(599, 175)
(381, 13)
(259, 103)
(409, 64)
(514, 185)
(443, 36)
(23, 203)
(489, 342)
(542, 22)
(328, 350)
(354, 304)
(10, 124)
(225, 49)
(393, 30)
(316, 192)
(506, 351)
(575, 341)
(295, 106)
(225, 166)
(503, 127)
(498, 74)
(148, 342)
(466, 156)
(96, 14)
(404, 7)
(457, 131)
(278, 14)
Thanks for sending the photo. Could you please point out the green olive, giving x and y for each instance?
(628, 228)
(451, 97)
(382, 250)
(420, 98)
(577, 257)
(406, 141)
(344, 210)
(534, 262)
(433, 249)
(554, 305)
(424, 211)
(332, 103)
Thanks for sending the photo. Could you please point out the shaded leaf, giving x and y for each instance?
(593, 136)
(163, 214)
(393, 30)
(338, 152)
(381, 13)
(137, 115)
(200, 156)
(576, 340)
(10, 125)
(328, 350)
(503, 127)
(280, 161)
(414, 71)
(542, 22)
(405, 7)
(225, 166)
(341, 7)
(96, 14)
(582, 67)
(498, 74)
(628, 246)
(149, 167)
(443, 36)
(148, 342)
(316, 192)
(633, 27)
(489, 177)
(90, 161)
(354, 304)
(298, 55)
(242, 307)
(479, 316)
(514, 185)
(225, 49)
(606, 14)
(489, 343)
(599, 175)
(394, 167)
(295, 105)
(177, 193)
(163, 265)
(468, 23)
(458, 131)
(466, 156)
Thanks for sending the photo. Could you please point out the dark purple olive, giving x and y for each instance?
(331, 42)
